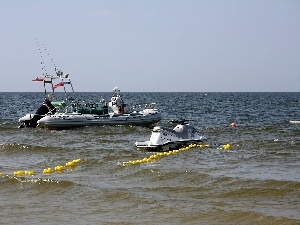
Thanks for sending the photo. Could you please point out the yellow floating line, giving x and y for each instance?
(58, 169)
(156, 156)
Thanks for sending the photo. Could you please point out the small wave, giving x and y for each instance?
(15, 147)
(7, 181)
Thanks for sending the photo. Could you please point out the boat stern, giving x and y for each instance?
(25, 118)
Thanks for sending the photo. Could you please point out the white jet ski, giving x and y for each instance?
(165, 139)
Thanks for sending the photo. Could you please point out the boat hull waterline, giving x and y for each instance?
(63, 120)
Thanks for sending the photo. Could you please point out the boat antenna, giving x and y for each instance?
(64, 77)
(45, 75)
(55, 67)
(58, 73)
(42, 60)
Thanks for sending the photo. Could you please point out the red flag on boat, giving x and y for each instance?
(57, 85)
(38, 79)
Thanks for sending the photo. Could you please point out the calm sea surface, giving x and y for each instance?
(257, 181)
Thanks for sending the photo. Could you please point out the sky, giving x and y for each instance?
(152, 45)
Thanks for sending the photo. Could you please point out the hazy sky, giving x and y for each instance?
(153, 45)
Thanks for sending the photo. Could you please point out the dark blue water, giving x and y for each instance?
(257, 181)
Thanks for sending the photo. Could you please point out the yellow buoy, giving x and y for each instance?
(226, 146)
(47, 171)
(153, 156)
(76, 160)
(18, 173)
(29, 173)
(59, 169)
(70, 164)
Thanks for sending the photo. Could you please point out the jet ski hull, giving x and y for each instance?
(166, 146)
(165, 139)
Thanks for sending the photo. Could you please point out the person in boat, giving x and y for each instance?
(45, 108)
(121, 105)
(122, 108)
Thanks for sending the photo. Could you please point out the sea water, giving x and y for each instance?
(256, 181)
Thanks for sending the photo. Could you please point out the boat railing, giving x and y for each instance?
(90, 107)
(138, 107)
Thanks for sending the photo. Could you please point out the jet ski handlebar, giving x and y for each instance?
(180, 121)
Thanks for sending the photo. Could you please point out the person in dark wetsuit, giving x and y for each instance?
(45, 108)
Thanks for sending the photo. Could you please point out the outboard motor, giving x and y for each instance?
(44, 109)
